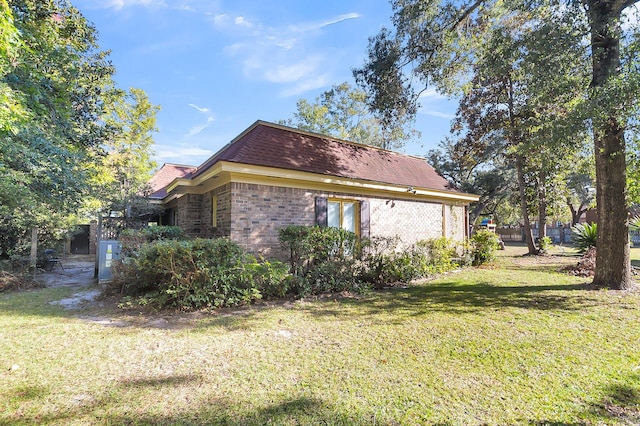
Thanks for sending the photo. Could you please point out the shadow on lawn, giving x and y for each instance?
(116, 405)
(621, 401)
(619, 404)
(452, 297)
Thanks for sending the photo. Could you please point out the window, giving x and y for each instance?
(343, 214)
(214, 211)
(351, 215)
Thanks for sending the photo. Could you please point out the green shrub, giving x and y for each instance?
(271, 278)
(483, 247)
(440, 254)
(332, 275)
(191, 274)
(545, 244)
(375, 259)
(322, 259)
(295, 239)
(402, 266)
(383, 262)
(584, 235)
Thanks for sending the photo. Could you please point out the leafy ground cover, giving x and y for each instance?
(516, 342)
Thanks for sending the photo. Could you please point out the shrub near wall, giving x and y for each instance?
(199, 274)
(484, 245)
(322, 259)
(383, 263)
(327, 259)
(204, 273)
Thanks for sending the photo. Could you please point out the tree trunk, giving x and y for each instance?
(612, 254)
(576, 213)
(528, 235)
(542, 206)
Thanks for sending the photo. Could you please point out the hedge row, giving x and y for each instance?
(164, 270)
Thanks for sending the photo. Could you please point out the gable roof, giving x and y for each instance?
(272, 145)
(165, 175)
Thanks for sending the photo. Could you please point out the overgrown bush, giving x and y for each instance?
(584, 235)
(484, 245)
(198, 274)
(440, 254)
(330, 259)
(271, 278)
(322, 259)
(132, 239)
(383, 261)
(545, 244)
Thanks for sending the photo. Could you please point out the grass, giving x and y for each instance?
(513, 343)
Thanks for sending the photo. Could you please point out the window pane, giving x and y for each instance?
(349, 217)
(333, 214)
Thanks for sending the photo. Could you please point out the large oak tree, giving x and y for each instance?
(437, 43)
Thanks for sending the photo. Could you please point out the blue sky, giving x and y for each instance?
(216, 66)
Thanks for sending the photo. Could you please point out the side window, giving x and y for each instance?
(333, 214)
(343, 214)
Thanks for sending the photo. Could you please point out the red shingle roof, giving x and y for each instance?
(166, 175)
(271, 145)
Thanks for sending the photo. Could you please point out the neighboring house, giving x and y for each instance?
(272, 176)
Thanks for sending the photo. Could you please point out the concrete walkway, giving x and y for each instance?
(78, 273)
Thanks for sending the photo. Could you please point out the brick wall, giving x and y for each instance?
(454, 222)
(189, 213)
(410, 220)
(252, 214)
(222, 227)
(259, 211)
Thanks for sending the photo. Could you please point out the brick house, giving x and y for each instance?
(271, 176)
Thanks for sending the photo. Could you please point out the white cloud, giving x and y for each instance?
(282, 54)
(201, 109)
(196, 130)
(220, 19)
(313, 26)
(630, 18)
(185, 8)
(306, 85)
(288, 73)
(119, 4)
(439, 114)
(435, 104)
(181, 154)
(431, 94)
(241, 21)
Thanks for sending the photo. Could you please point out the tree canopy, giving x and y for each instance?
(55, 86)
(121, 172)
(342, 112)
(543, 74)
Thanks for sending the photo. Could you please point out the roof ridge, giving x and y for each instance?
(178, 165)
(328, 137)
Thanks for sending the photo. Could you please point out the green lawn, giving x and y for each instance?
(513, 343)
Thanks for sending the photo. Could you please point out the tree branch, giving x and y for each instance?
(626, 3)
(471, 9)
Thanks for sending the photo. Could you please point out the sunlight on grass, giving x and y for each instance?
(513, 343)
